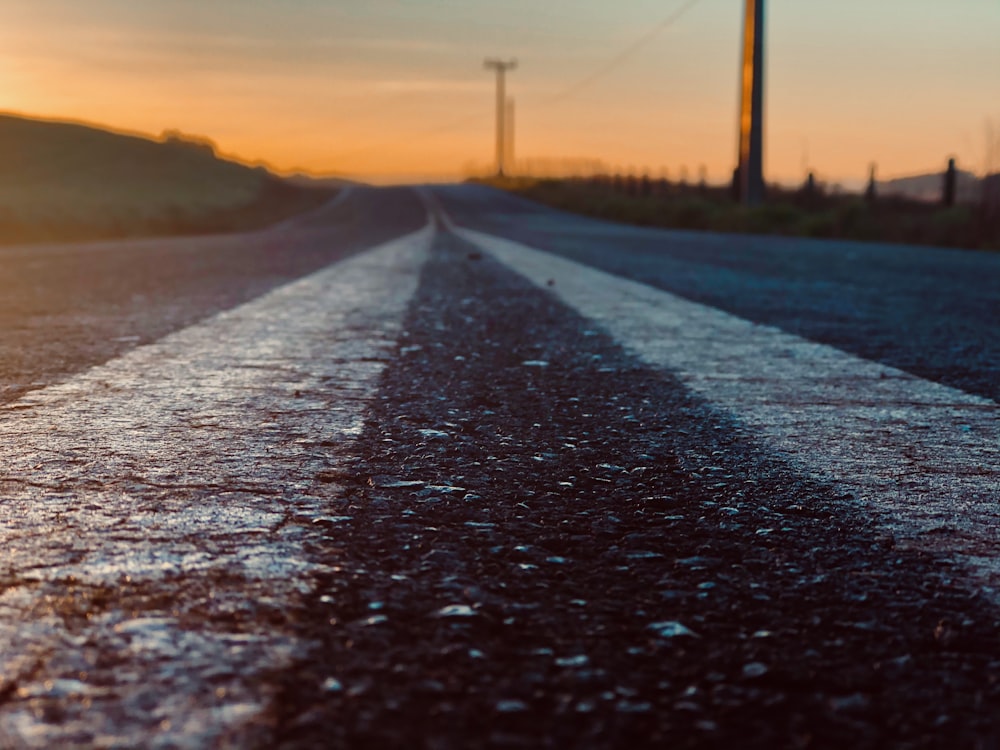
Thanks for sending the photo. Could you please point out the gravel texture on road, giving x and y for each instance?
(928, 311)
(921, 457)
(157, 511)
(64, 308)
(546, 543)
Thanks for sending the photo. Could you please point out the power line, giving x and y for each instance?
(624, 55)
(572, 90)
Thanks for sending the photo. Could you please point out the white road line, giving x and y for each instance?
(153, 510)
(922, 456)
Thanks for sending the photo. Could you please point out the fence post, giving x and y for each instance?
(950, 180)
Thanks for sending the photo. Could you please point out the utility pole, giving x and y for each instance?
(509, 123)
(501, 67)
(750, 172)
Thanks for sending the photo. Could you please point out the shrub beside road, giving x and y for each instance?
(792, 213)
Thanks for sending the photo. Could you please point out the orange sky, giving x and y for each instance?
(396, 89)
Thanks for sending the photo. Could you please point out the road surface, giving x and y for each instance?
(442, 468)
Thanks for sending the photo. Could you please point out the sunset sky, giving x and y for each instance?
(395, 89)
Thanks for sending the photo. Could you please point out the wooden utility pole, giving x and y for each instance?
(501, 67)
(509, 124)
(750, 172)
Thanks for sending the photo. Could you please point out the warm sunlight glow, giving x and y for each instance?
(389, 89)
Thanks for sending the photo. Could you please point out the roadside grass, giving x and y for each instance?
(786, 213)
(67, 182)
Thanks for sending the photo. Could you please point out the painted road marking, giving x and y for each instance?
(183, 478)
(923, 457)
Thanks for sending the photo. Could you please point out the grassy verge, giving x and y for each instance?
(789, 213)
(275, 201)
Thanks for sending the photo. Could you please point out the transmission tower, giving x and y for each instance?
(501, 67)
(750, 172)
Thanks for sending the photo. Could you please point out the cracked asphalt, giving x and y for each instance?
(415, 500)
(157, 512)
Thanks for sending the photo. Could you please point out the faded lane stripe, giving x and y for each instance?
(179, 485)
(921, 456)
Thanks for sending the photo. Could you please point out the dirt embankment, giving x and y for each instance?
(70, 182)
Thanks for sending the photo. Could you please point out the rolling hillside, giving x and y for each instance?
(929, 187)
(63, 181)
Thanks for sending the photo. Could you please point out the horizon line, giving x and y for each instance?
(414, 177)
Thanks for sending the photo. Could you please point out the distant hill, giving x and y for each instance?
(63, 180)
(929, 187)
(308, 180)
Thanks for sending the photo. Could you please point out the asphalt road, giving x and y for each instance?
(64, 308)
(375, 478)
(928, 311)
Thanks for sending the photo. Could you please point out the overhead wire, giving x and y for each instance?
(624, 55)
(566, 93)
